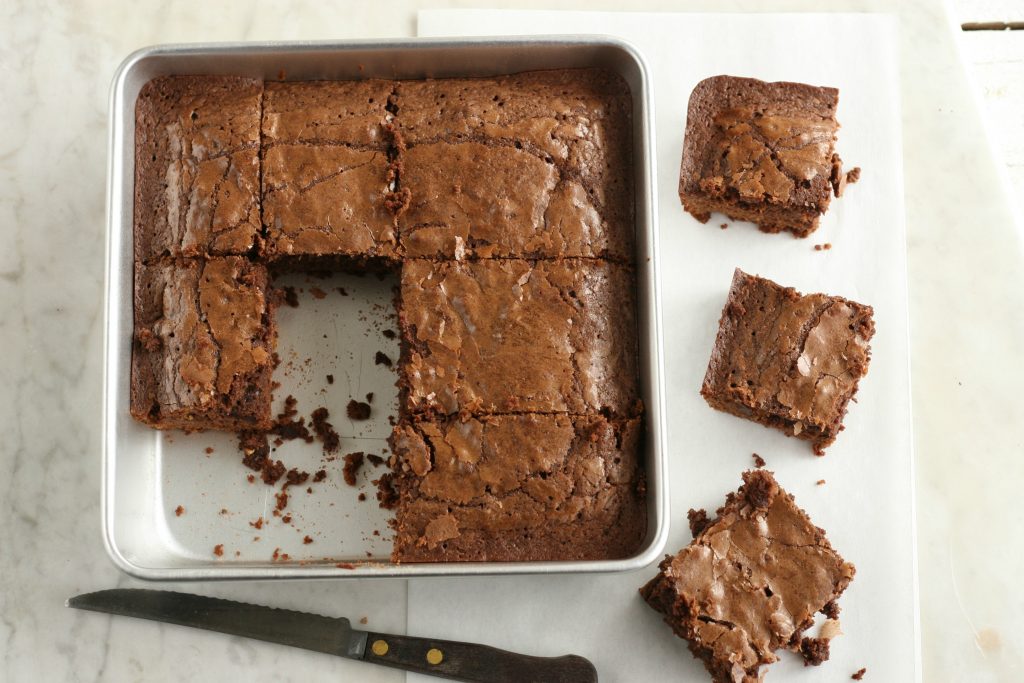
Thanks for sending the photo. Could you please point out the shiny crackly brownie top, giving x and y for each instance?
(760, 141)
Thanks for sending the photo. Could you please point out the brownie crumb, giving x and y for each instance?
(258, 524)
(758, 461)
(319, 475)
(342, 291)
(814, 651)
(317, 292)
(330, 379)
(820, 482)
(387, 496)
(363, 620)
(375, 460)
(369, 397)
(823, 247)
(218, 550)
(759, 490)
(361, 497)
(291, 297)
(294, 477)
(723, 226)
(698, 521)
(859, 674)
(287, 519)
(148, 339)
(853, 175)
(256, 456)
(208, 450)
(251, 478)
(382, 359)
(390, 334)
(325, 430)
(282, 501)
(357, 410)
(179, 511)
(307, 540)
(224, 511)
(353, 461)
(345, 565)
(831, 610)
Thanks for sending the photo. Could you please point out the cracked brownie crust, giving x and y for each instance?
(760, 152)
(750, 583)
(326, 172)
(204, 339)
(518, 336)
(197, 187)
(787, 360)
(518, 487)
(576, 121)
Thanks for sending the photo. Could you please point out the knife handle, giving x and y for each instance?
(472, 662)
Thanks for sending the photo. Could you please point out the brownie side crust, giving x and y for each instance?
(197, 188)
(510, 335)
(204, 339)
(518, 487)
(576, 121)
(788, 360)
(760, 152)
(750, 582)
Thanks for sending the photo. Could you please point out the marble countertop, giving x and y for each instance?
(967, 346)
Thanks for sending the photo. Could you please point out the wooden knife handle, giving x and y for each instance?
(474, 663)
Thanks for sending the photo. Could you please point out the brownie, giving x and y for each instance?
(518, 487)
(518, 336)
(475, 200)
(204, 340)
(576, 121)
(760, 152)
(197, 166)
(788, 360)
(327, 176)
(750, 583)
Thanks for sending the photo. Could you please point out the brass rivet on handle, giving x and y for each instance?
(379, 647)
(434, 656)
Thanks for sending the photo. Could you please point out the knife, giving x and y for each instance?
(335, 636)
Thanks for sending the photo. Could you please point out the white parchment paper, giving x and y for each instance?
(866, 503)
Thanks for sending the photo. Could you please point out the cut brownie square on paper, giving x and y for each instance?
(750, 583)
(509, 335)
(204, 341)
(507, 488)
(575, 120)
(788, 360)
(760, 152)
(327, 178)
(197, 188)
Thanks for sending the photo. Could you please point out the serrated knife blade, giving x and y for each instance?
(335, 636)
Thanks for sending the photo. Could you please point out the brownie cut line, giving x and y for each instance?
(788, 360)
(761, 152)
(750, 584)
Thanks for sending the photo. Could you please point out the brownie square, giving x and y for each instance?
(197, 166)
(750, 583)
(760, 152)
(472, 200)
(327, 178)
(788, 360)
(578, 120)
(507, 488)
(518, 336)
(204, 340)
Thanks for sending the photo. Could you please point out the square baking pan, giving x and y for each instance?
(179, 506)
